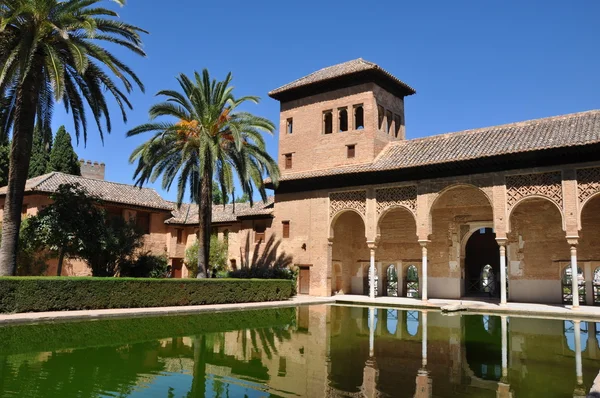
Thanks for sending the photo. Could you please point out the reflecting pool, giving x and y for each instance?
(309, 351)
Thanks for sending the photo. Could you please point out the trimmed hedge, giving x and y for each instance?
(35, 294)
(18, 339)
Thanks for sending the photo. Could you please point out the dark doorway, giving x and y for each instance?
(177, 268)
(482, 264)
(304, 280)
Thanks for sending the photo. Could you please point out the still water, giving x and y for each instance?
(310, 351)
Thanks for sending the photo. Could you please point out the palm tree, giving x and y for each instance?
(209, 140)
(50, 51)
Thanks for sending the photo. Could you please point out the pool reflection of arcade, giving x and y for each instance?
(471, 356)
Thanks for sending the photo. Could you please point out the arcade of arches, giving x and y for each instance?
(463, 241)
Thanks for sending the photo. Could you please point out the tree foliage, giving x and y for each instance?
(40, 152)
(54, 51)
(63, 157)
(207, 141)
(68, 226)
(4, 161)
(218, 256)
(115, 246)
(145, 265)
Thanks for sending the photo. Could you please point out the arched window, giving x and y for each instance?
(392, 281)
(327, 122)
(487, 279)
(412, 281)
(567, 286)
(359, 117)
(412, 322)
(343, 119)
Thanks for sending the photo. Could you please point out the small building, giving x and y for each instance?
(167, 229)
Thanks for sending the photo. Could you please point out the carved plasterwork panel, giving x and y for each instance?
(396, 196)
(588, 183)
(548, 185)
(355, 200)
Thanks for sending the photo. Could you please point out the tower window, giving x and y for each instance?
(343, 119)
(289, 125)
(397, 125)
(179, 236)
(288, 160)
(388, 121)
(327, 122)
(285, 229)
(380, 116)
(351, 151)
(359, 117)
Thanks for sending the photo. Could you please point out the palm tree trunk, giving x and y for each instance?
(204, 223)
(20, 154)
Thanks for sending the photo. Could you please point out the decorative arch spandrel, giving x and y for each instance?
(404, 196)
(547, 185)
(347, 200)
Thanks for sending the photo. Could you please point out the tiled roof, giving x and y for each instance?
(188, 213)
(339, 70)
(576, 129)
(104, 190)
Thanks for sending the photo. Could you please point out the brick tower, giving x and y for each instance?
(341, 115)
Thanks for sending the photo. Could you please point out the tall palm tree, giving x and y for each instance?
(208, 140)
(51, 51)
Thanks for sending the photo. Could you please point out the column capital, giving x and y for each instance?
(573, 240)
(502, 241)
(424, 242)
(330, 241)
(372, 244)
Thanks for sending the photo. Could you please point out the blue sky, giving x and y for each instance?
(473, 63)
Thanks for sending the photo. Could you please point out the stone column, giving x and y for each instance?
(424, 270)
(330, 276)
(372, 248)
(502, 244)
(574, 274)
(424, 340)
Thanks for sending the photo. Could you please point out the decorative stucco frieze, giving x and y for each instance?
(397, 196)
(548, 185)
(588, 183)
(354, 200)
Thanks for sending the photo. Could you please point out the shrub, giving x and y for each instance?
(146, 265)
(33, 294)
(217, 261)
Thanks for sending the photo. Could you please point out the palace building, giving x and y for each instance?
(510, 212)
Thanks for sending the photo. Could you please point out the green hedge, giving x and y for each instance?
(35, 294)
(17, 339)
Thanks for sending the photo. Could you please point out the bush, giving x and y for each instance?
(217, 261)
(34, 294)
(147, 265)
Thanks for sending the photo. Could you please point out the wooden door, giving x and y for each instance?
(176, 271)
(304, 280)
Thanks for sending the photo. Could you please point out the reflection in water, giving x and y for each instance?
(310, 351)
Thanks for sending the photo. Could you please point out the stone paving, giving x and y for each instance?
(466, 305)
